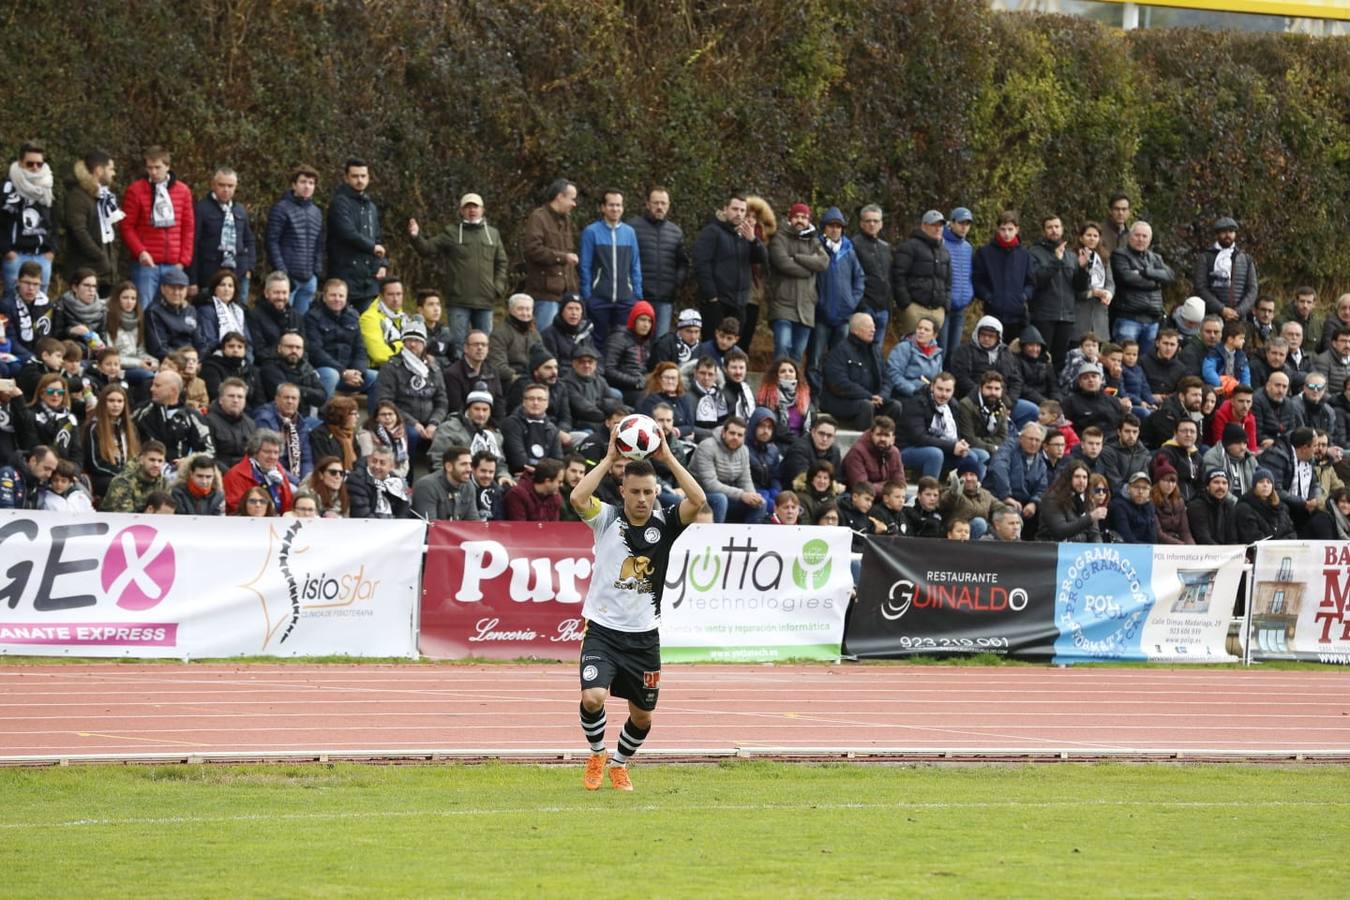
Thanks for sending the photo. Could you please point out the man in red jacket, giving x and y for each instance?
(159, 225)
(874, 458)
(536, 497)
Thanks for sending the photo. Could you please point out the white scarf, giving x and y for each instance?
(228, 241)
(1223, 264)
(161, 211)
(35, 187)
(108, 214)
(391, 486)
(391, 324)
(415, 365)
(1097, 272)
(943, 425)
(484, 440)
(229, 317)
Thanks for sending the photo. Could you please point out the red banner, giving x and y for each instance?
(504, 590)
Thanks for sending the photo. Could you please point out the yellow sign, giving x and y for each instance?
(1299, 9)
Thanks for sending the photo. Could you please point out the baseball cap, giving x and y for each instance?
(1089, 369)
(933, 217)
(960, 214)
(470, 198)
(1140, 476)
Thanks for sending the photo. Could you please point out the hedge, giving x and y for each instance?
(910, 103)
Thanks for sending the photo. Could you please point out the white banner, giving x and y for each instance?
(192, 587)
(756, 593)
(1301, 601)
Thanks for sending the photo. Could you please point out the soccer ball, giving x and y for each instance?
(638, 437)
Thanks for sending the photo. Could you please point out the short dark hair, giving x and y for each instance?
(638, 468)
(864, 488)
(991, 375)
(303, 170)
(547, 469)
(736, 353)
(1186, 382)
(1009, 217)
(557, 186)
(96, 158)
(1118, 196)
(1243, 389)
(157, 500)
(1303, 290)
(482, 455)
(153, 446)
(425, 294)
(354, 162)
(1129, 419)
(1302, 436)
(388, 280)
(927, 483)
(820, 465)
(824, 419)
(730, 325)
(883, 425)
(605, 194)
(734, 420)
(30, 269)
(571, 458)
(1234, 329)
(202, 461)
(453, 453)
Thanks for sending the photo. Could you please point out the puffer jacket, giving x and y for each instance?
(475, 263)
(295, 237)
(922, 273)
(1011, 474)
(1003, 280)
(353, 232)
(1140, 279)
(334, 341)
(1237, 292)
(963, 259)
(626, 353)
(167, 246)
(664, 262)
(794, 261)
(876, 257)
(1135, 523)
(840, 287)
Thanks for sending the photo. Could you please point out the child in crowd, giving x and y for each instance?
(1051, 416)
(922, 518)
(1135, 381)
(855, 513)
(1088, 350)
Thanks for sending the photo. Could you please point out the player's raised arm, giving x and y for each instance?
(583, 493)
(694, 498)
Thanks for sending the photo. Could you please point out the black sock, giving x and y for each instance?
(629, 741)
(593, 724)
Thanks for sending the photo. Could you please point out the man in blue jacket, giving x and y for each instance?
(962, 289)
(1018, 474)
(295, 238)
(610, 269)
(838, 290)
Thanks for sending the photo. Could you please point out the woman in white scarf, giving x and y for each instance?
(26, 215)
(225, 315)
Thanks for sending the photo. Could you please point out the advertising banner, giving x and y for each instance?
(1301, 601)
(184, 586)
(923, 597)
(1072, 602)
(506, 590)
(1161, 603)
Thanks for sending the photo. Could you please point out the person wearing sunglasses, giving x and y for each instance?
(50, 420)
(256, 504)
(1067, 512)
(328, 484)
(27, 228)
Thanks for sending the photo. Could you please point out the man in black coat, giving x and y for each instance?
(921, 275)
(335, 345)
(1225, 277)
(1141, 275)
(472, 372)
(1211, 514)
(209, 256)
(723, 253)
(856, 387)
(817, 444)
(355, 252)
(661, 256)
(928, 430)
(1087, 405)
(374, 491)
(876, 258)
(291, 366)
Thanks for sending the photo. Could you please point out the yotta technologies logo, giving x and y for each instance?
(742, 572)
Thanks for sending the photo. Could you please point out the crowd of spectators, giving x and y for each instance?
(184, 368)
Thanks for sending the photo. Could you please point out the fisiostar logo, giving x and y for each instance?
(138, 568)
(811, 568)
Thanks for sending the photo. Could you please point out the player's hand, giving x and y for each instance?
(613, 452)
(662, 452)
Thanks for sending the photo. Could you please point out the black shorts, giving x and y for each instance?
(627, 663)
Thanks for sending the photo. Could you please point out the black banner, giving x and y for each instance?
(922, 597)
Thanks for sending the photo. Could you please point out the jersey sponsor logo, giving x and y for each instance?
(590, 673)
(635, 575)
(652, 534)
(651, 680)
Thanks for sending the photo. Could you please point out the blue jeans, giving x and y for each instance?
(462, 321)
(664, 309)
(724, 509)
(928, 460)
(545, 311)
(1130, 330)
(882, 318)
(147, 278)
(827, 337)
(330, 377)
(607, 317)
(949, 335)
(12, 270)
(789, 339)
(302, 294)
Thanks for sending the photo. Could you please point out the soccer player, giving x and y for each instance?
(621, 652)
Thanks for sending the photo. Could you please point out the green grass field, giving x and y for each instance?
(731, 830)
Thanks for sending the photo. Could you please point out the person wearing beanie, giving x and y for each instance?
(1174, 526)
(569, 328)
(509, 346)
(610, 269)
(413, 385)
(1188, 315)
(796, 257)
(544, 369)
(1003, 274)
(965, 498)
(1212, 514)
(680, 345)
(1225, 276)
(472, 428)
(1231, 453)
(839, 290)
(1260, 516)
(476, 267)
(627, 352)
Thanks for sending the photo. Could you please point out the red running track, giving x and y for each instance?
(143, 712)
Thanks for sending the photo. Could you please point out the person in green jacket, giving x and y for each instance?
(129, 491)
(476, 267)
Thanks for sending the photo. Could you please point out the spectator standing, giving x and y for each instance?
(295, 239)
(839, 290)
(876, 258)
(609, 268)
(27, 227)
(223, 236)
(1117, 230)
(1140, 275)
(476, 267)
(921, 275)
(91, 217)
(550, 251)
(661, 253)
(222, 313)
(1060, 276)
(509, 347)
(1093, 300)
(796, 257)
(1225, 276)
(723, 253)
(1003, 275)
(954, 236)
(159, 224)
(354, 238)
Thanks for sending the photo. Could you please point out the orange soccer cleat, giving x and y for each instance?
(618, 776)
(595, 771)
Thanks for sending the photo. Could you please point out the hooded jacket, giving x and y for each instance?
(840, 288)
(969, 361)
(765, 458)
(294, 237)
(476, 266)
(794, 262)
(352, 235)
(167, 246)
(626, 353)
(1038, 375)
(84, 247)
